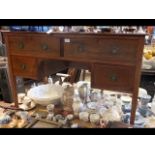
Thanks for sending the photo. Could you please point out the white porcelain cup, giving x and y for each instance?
(84, 116)
(126, 100)
(95, 118)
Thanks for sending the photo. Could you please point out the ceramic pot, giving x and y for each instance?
(95, 118)
(84, 116)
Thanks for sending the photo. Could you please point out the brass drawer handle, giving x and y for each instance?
(44, 47)
(115, 50)
(113, 77)
(23, 67)
(21, 45)
(81, 48)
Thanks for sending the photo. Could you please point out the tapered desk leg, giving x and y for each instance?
(13, 84)
(14, 90)
(134, 107)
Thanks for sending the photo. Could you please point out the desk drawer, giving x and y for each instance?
(110, 77)
(24, 66)
(102, 48)
(36, 44)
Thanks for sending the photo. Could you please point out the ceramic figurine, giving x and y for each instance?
(50, 116)
(50, 108)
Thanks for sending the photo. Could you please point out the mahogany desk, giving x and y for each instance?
(113, 59)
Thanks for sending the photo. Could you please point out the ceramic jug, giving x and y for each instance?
(84, 92)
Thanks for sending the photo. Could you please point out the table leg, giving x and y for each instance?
(14, 90)
(134, 107)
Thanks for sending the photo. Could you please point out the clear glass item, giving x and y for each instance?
(67, 98)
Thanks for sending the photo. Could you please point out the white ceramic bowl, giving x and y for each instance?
(46, 94)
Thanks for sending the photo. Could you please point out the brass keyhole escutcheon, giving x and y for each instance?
(23, 66)
(113, 77)
(44, 47)
(114, 50)
(81, 48)
(21, 45)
